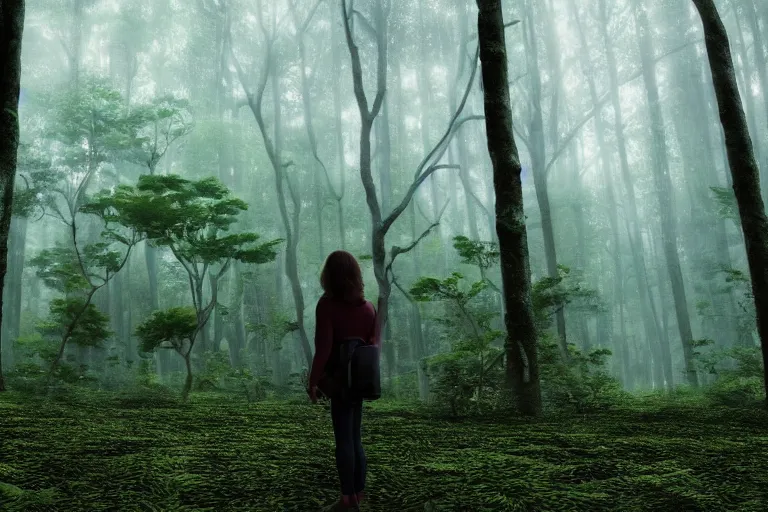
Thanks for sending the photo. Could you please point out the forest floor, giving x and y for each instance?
(217, 454)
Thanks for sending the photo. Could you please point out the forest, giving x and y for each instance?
(558, 207)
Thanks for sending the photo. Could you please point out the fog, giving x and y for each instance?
(634, 236)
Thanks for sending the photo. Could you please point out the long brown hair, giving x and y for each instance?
(341, 277)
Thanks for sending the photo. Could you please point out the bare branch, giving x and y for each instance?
(437, 152)
(397, 251)
(357, 68)
(311, 15)
(366, 24)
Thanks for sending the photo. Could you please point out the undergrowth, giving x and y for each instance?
(97, 451)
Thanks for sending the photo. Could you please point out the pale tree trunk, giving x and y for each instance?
(272, 144)
(663, 185)
(301, 28)
(522, 362)
(746, 79)
(758, 49)
(744, 170)
(74, 52)
(651, 327)
(339, 131)
(762, 73)
(11, 30)
(707, 240)
(384, 156)
(418, 350)
(461, 143)
(13, 288)
(380, 225)
(537, 146)
(425, 100)
(606, 165)
(237, 338)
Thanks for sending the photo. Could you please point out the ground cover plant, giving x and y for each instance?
(89, 451)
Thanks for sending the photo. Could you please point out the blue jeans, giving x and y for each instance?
(347, 419)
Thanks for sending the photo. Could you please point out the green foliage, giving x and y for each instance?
(472, 372)
(60, 269)
(739, 370)
(219, 375)
(173, 328)
(550, 294)
(189, 216)
(84, 324)
(483, 255)
(736, 283)
(461, 383)
(162, 121)
(429, 289)
(579, 385)
(642, 457)
(460, 379)
(93, 124)
(278, 326)
(727, 207)
(35, 182)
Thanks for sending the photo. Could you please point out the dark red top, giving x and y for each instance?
(336, 320)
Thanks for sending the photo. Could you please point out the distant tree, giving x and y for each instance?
(743, 165)
(89, 130)
(78, 271)
(382, 220)
(192, 218)
(522, 360)
(164, 121)
(11, 29)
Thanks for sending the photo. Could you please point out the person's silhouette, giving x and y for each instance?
(342, 313)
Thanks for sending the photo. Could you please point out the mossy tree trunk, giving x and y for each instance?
(522, 364)
(11, 30)
(743, 165)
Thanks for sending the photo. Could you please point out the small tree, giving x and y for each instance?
(462, 372)
(192, 218)
(89, 131)
(79, 271)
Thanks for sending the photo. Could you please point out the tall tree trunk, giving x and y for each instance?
(746, 80)
(11, 31)
(540, 172)
(744, 170)
(76, 43)
(610, 193)
(272, 144)
(13, 288)
(339, 130)
(707, 241)
(321, 172)
(522, 361)
(663, 183)
(651, 326)
(762, 72)
(380, 225)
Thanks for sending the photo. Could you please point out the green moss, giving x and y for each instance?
(217, 454)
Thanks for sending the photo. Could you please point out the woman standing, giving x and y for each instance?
(342, 312)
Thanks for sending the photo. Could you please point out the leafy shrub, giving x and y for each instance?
(581, 384)
(740, 376)
(404, 387)
(219, 375)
